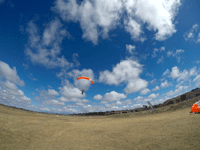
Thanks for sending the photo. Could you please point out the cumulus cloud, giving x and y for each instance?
(162, 48)
(123, 72)
(192, 34)
(176, 54)
(156, 88)
(70, 94)
(198, 39)
(180, 88)
(113, 96)
(153, 95)
(155, 51)
(45, 50)
(184, 75)
(153, 81)
(11, 95)
(193, 71)
(151, 75)
(166, 72)
(54, 103)
(144, 91)
(97, 18)
(196, 78)
(52, 92)
(75, 60)
(138, 99)
(91, 15)
(134, 28)
(98, 97)
(131, 49)
(165, 84)
(175, 72)
(10, 74)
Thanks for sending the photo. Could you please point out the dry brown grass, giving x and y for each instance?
(173, 130)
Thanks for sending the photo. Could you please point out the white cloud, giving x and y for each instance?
(128, 101)
(165, 84)
(151, 75)
(98, 97)
(46, 50)
(123, 72)
(162, 49)
(54, 103)
(70, 93)
(138, 99)
(191, 34)
(161, 59)
(198, 39)
(196, 78)
(180, 88)
(130, 49)
(184, 75)
(166, 72)
(153, 95)
(135, 85)
(144, 91)
(176, 54)
(10, 74)
(26, 66)
(134, 28)
(91, 15)
(52, 92)
(175, 72)
(11, 95)
(97, 18)
(154, 53)
(197, 61)
(113, 96)
(158, 14)
(153, 81)
(156, 88)
(193, 71)
(75, 60)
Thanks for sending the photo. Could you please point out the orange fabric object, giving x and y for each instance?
(195, 108)
(86, 78)
(195, 105)
(83, 78)
(198, 109)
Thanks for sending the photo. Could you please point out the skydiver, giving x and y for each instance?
(82, 91)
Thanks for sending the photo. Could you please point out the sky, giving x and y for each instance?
(134, 50)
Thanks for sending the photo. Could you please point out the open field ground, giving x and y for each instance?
(173, 130)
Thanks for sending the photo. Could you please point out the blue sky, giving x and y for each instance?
(135, 51)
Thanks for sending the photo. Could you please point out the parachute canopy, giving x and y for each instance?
(196, 107)
(86, 78)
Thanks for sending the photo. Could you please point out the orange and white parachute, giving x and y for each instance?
(86, 78)
(196, 107)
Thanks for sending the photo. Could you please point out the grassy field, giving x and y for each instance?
(170, 130)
